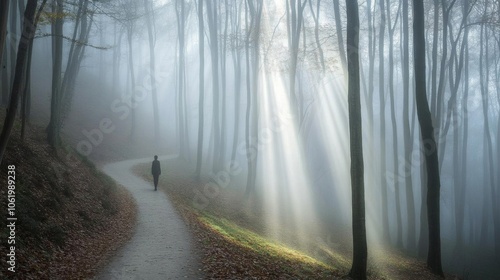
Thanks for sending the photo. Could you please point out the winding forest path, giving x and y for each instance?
(162, 246)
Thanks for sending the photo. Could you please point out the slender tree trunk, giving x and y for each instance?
(180, 7)
(237, 81)
(460, 202)
(56, 100)
(460, 141)
(201, 89)
(4, 16)
(340, 38)
(28, 31)
(383, 161)
(26, 96)
(152, 69)
(249, 97)
(13, 39)
(407, 139)
(212, 16)
(440, 123)
(316, 16)
(255, 9)
(295, 24)
(4, 55)
(132, 81)
(434, 74)
(223, 59)
(484, 73)
(427, 134)
(76, 55)
(359, 264)
(371, 67)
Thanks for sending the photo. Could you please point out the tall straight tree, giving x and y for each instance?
(223, 69)
(236, 55)
(316, 17)
(4, 15)
(28, 32)
(360, 251)
(56, 100)
(340, 38)
(130, 10)
(460, 189)
(255, 11)
(201, 101)
(152, 69)
(295, 18)
(428, 140)
(83, 25)
(181, 14)
(407, 139)
(383, 160)
(395, 147)
(212, 16)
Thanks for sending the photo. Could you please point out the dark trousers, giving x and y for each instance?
(155, 179)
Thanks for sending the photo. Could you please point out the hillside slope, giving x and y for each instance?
(70, 216)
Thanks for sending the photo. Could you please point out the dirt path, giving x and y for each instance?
(162, 247)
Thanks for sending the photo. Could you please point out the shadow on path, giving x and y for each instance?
(162, 246)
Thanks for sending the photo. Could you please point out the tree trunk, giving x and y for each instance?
(152, 69)
(460, 202)
(26, 96)
(295, 25)
(434, 74)
(316, 15)
(358, 269)
(201, 90)
(484, 73)
(407, 139)
(132, 80)
(29, 27)
(212, 16)
(340, 38)
(4, 60)
(255, 9)
(56, 99)
(383, 161)
(237, 82)
(430, 146)
(223, 59)
(4, 16)
(181, 84)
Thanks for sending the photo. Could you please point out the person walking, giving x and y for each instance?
(156, 171)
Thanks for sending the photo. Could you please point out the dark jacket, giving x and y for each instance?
(155, 167)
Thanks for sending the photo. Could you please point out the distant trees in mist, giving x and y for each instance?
(415, 88)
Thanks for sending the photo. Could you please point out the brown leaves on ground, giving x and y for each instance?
(71, 217)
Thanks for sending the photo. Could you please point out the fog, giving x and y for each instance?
(282, 138)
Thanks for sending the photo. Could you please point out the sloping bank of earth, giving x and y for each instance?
(70, 216)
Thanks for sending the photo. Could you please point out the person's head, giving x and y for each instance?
(156, 157)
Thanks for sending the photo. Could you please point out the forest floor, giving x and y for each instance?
(70, 217)
(234, 246)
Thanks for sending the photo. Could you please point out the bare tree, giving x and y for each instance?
(28, 32)
(201, 90)
(255, 11)
(54, 126)
(428, 140)
(152, 69)
(359, 263)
